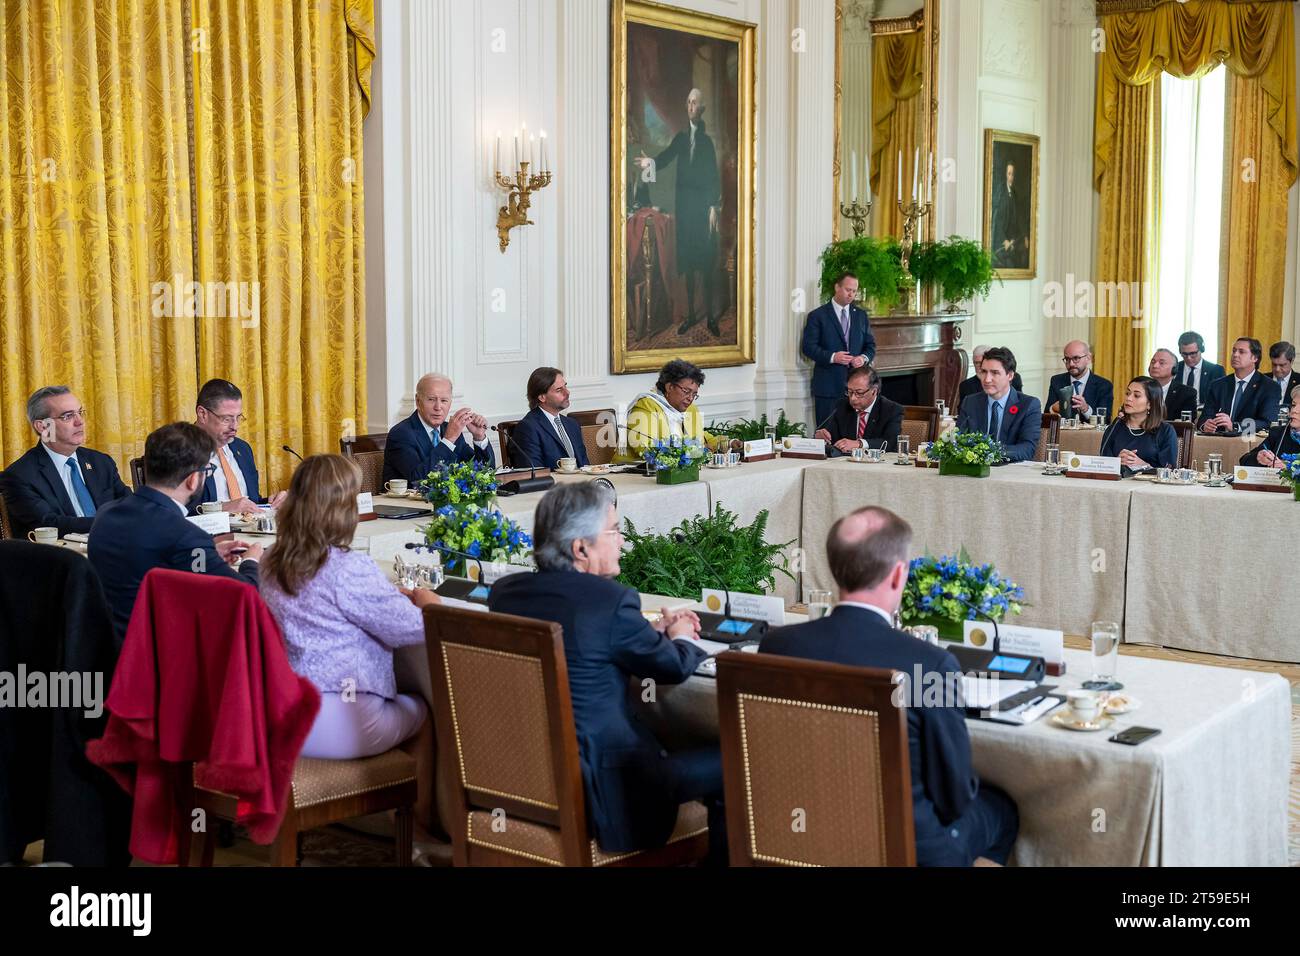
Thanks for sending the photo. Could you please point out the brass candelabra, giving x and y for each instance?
(912, 212)
(520, 188)
(857, 214)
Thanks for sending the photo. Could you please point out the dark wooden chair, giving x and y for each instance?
(504, 717)
(137, 473)
(6, 526)
(506, 431)
(368, 453)
(359, 443)
(599, 434)
(920, 424)
(823, 739)
(1186, 432)
(1051, 435)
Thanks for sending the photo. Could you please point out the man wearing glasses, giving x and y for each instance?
(59, 483)
(232, 479)
(1077, 392)
(1195, 370)
(864, 418)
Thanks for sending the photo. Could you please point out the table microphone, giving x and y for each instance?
(291, 451)
(524, 485)
(745, 629)
(682, 539)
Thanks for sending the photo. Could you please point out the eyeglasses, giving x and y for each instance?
(208, 470)
(227, 420)
(858, 392)
(692, 392)
(1192, 354)
(1071, 359)
(67, 417)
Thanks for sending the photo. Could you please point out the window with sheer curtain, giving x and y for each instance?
(1192, 131)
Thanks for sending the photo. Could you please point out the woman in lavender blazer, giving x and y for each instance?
(341, 616)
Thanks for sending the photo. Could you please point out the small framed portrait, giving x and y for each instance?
(1011, 203)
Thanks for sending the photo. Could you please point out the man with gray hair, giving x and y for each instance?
(434, 434)
(58, 482)
(1178, 398)
(633, 786)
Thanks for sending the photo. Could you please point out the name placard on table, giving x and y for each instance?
(1017, 639)
(1093, 466)
(760, 607)
(366, 506)
(1247, 478)
(213, 522)
(759, 450)
(795, 447)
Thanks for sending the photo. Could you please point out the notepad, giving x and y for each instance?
(984, 693)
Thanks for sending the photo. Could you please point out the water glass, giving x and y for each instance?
(904, 450)
(1187, 416)
(1214, 465)
(1053, 457)
(408, 575)
(770, 434)
(1105, 656)
(819, 603)
(926, 632)
(1101, 416)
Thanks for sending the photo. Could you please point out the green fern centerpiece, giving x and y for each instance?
(751, 429)
(965, 453)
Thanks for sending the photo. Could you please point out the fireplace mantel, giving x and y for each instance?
(925, 346)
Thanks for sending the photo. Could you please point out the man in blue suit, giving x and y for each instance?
(233, 480)
(633, 786)
(149, 529)
(1195, 369)
(1088, 391)
(58, 482)
(433, 434)
(1013, 419)
(544, 435)
(837, 337)
(956, 819)
(1246, 400)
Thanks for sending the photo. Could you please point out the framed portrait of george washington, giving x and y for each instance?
(1011, 203)
(682, 154)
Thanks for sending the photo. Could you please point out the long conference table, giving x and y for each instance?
(1193, 568)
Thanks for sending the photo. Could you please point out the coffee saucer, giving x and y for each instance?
(1064, 718)
(1121, 704)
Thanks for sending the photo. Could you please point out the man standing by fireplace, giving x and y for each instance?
(836, 338)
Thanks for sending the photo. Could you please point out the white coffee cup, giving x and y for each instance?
(395, 487)
(1084, 704)
(209, 507)
(43, 535)
(567, 464)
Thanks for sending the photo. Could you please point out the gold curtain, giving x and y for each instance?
(1187, 40)
(281, 90)
(897, 76)
(94, 197)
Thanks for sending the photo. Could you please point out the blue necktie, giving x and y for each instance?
(995, 420)
(1232, 412)
(79, 486)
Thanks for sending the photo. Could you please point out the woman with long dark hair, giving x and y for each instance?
(1139, 436)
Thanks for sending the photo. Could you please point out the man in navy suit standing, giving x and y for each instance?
(544, 435)
(1013, 419)
(433, 434)
(836, 338)
(149, 529)
(233, 481)
(633, 786)
(956, 819)
(1246, 400)
(58, 482)
(1089, 391)
(1195, 369)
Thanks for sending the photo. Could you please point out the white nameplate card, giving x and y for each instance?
(213, 522)
(494, 571)
(759, 607)
(1016, 639)
(759, 448)
(365, 503)
(797, 447)
(1093, 465)
(1258, 476)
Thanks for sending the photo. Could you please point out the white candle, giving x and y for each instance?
(512, 172)
(853, 166)
(929, 180)
(545, 163)
(496, 156)
(916, 171)
(898, 175)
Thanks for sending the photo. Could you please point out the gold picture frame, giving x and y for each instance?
(681, 285)
(1003, 148)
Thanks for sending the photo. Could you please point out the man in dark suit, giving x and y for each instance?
(864, 418)
(1088, 391)
(1195, 369)
(433, 434)
(956, 819)
(971, 386)
(544, 435)
(233, 481)
(1013, 419)
(1282, 357)
(1178, 398)
(149, 529)
(697, 209)
(633, 786)
(1010, 223)
(1245, 400)
(1282, 440)
(836, 338)
(58, 482)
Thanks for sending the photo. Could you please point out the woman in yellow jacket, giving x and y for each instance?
(668, 412)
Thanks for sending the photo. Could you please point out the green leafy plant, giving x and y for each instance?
(755, 429)
(962, 268)
(714, 547)
(966, 448)
(460, 483)
(874, 261)
(674, 454)
(956, 589)
(483, 533)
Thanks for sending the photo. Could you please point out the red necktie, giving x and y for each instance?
(862, 425)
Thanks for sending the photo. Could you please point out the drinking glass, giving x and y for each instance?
(926, 632)
(819, 603)
(408, 575)
(1053, 459)
(904, 450)
(1105, 656)
(1101, 416)
(770, 433)
(1214, 465)
(1187, 416)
